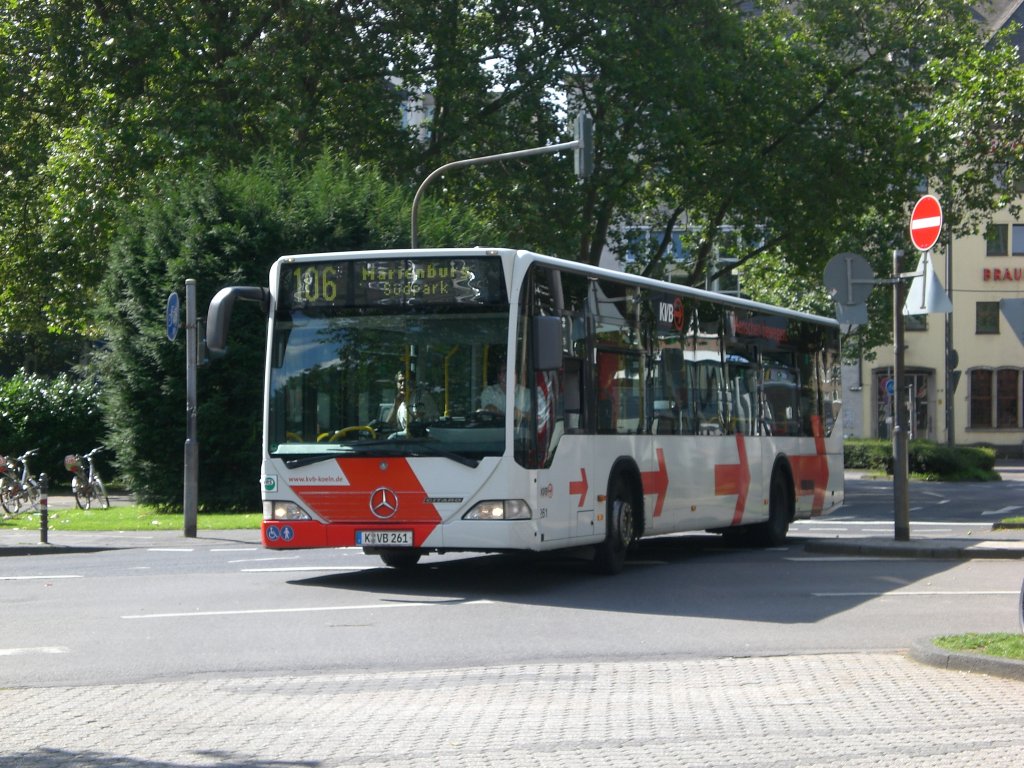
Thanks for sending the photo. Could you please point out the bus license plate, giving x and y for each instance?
(383, 538)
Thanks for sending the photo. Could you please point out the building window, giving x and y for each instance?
(1008, 398)
(1018, 239)
(996, 240)
(915, 322)
(995, 398)
(981, 398)
(986, 317)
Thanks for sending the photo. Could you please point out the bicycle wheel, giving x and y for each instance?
(10, 500)
(99, 492)
(81, 491)
(33, 492)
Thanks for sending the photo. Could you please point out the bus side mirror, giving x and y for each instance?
(219, 316)
(547, 343)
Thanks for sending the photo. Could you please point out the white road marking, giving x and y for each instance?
(286, 568)
(51, 649)
(836, 558)
(1003, 511)
(914, 593)
(170, 549)
(835, 522)
(312, 609)
(36, 578)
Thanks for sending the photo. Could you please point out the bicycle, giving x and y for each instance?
(86, 484)
(18, 491)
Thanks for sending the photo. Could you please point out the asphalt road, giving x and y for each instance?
(157, 604)
(160, 651)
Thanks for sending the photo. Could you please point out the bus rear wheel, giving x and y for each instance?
(772, 532)
(401, 558)
(621, 530)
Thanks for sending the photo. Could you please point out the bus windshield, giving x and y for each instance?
(397, 371)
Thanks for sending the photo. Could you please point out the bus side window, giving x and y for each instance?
(573, 394)
(741, 416)
(709, 375)
(606, 368)
(619, 401)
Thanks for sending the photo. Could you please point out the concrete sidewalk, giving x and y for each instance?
(985, 541)
(997, 544)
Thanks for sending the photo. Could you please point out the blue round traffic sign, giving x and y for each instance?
(173, 316)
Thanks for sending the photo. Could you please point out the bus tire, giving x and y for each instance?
(401, 558)
(772, 532)
(621, 529)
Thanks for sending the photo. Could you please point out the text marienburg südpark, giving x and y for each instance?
(432, 271)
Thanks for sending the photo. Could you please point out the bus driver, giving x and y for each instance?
(492, 399)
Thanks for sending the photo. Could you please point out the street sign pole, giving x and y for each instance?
(191, 495)
(949, 364)
(901, 508)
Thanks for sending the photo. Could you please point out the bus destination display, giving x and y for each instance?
(393, 282)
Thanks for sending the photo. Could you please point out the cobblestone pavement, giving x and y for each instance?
(853, 709)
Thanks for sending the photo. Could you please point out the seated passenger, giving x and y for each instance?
(420, 408)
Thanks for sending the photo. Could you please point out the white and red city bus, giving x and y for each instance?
(478, 399)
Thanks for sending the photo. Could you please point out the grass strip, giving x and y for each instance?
(1002, 644)
(130, 518)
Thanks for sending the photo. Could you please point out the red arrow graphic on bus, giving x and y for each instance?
(656, 481)
(734, 479)
(812, 471)
(579, 487)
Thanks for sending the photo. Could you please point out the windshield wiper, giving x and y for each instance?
(405, 447)
(433, 450)
(304, 460)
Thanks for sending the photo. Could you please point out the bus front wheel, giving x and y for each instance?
(621, 531)
(400, 558)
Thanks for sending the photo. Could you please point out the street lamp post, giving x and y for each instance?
(583, 144)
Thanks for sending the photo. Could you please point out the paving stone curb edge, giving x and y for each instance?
(926, 652)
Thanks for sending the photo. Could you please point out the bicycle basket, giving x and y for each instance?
(72, 463)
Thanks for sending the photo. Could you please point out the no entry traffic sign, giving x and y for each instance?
(926, 223)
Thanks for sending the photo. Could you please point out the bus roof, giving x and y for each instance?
(675, 288)
(529, 257)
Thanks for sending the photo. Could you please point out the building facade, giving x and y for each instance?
(974, 348)
(985, 405)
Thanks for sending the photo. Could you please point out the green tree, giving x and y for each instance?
(57, 415)
(96, 96)
(803, 128)
(224, 228)
(757, 130)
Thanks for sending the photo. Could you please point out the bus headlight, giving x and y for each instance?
(284, 510)
(513, 509)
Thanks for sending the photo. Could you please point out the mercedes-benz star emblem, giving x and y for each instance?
(384, 503)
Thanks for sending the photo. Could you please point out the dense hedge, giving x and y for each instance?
(226, 228)
(58, 415)
(925, 459)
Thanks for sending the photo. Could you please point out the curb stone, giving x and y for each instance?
(926, 652)
(939, 549)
